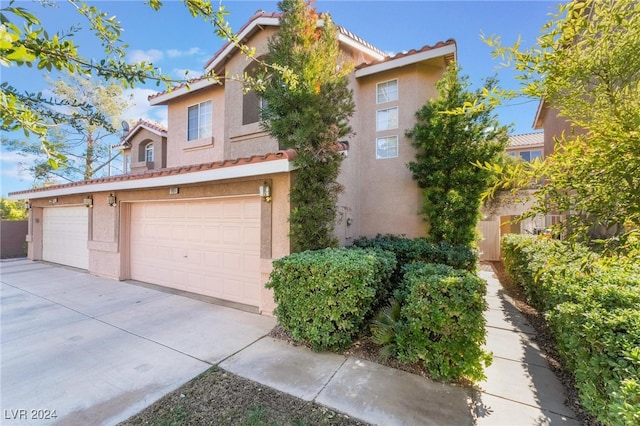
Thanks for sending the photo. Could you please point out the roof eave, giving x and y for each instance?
(230, 47)
(271, 166)
(163, 98)
(407, 60)
(538, 121)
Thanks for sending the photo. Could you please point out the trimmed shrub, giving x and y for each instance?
(409, 250)
(443, 323)
(325, 296)
(602, 349)
(592, 305)
(530, 260)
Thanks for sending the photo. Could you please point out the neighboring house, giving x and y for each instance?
(144, 147)
(501, 214)
(204, 206)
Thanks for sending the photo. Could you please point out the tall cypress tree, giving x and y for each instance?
(308, 109)
(448, 147)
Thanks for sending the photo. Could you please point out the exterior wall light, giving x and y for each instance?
(265, 192)
(53, 201)
(88, 201)
(111, 200)
(174, 191)
(27, 205)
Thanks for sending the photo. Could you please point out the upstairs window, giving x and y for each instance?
(386, 119)
(127, 163)
(387, 91)
(148, 153)
(387, 147)
(199, 121)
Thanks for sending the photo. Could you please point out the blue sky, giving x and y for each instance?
(177, 43)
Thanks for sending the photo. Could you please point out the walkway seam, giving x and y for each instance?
(330, 379)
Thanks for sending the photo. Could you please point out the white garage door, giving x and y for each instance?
(65, 231)
(209, 247)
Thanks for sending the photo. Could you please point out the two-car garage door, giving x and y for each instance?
(209, 247)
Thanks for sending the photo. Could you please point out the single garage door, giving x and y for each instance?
(65, 232)
(209, 247)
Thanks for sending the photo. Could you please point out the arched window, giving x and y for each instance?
(148, 152)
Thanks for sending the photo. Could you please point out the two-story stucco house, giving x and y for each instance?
(203, 207)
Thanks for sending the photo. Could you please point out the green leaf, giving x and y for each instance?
(21, 54)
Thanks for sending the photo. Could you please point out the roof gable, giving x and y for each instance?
(151, 126)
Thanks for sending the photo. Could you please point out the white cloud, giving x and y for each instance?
(14, 165)
(175, 53)
(140, 107)
(151, 55)
(186, 73)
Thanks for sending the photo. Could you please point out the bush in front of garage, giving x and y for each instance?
(324, 297)
(408, 250)
(436, 319)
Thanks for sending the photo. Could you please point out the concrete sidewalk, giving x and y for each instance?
(98, 351)
(520, 388)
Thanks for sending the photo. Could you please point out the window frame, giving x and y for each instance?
(397, 92)
(149, 151)
(198, 129)
(388, 121)
(127, 163)
(397, 147)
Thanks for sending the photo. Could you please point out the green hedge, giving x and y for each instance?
(592, 306)
(325, 296)
(443, 324)
(409, 250)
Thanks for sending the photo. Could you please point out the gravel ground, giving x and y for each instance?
(218, 397)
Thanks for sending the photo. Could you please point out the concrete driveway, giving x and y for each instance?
(79, 349)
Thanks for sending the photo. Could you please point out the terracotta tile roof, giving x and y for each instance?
(81, 185)
(360, 40)
(526, 139)
(152, 126)
(183, 85)
(259, 14)
(411, 52)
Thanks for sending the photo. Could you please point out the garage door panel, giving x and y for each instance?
(251, 236)
(252, 211)
(65, 233)
(232, 210)
(214, 247)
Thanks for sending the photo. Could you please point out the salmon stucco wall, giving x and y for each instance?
(280, 243)
(390, 199)
(245, 140)
(104, 253)
(182, 152)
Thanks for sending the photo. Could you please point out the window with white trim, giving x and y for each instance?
(387, 91)
(127, 163)
(387, 119)
(148, 152)
(199, 119)
(387, 147)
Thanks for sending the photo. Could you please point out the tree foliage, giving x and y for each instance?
(309, 116)
(25, 42)
(586, 66)
(84, 124)
(12, 209)
(448, 147)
